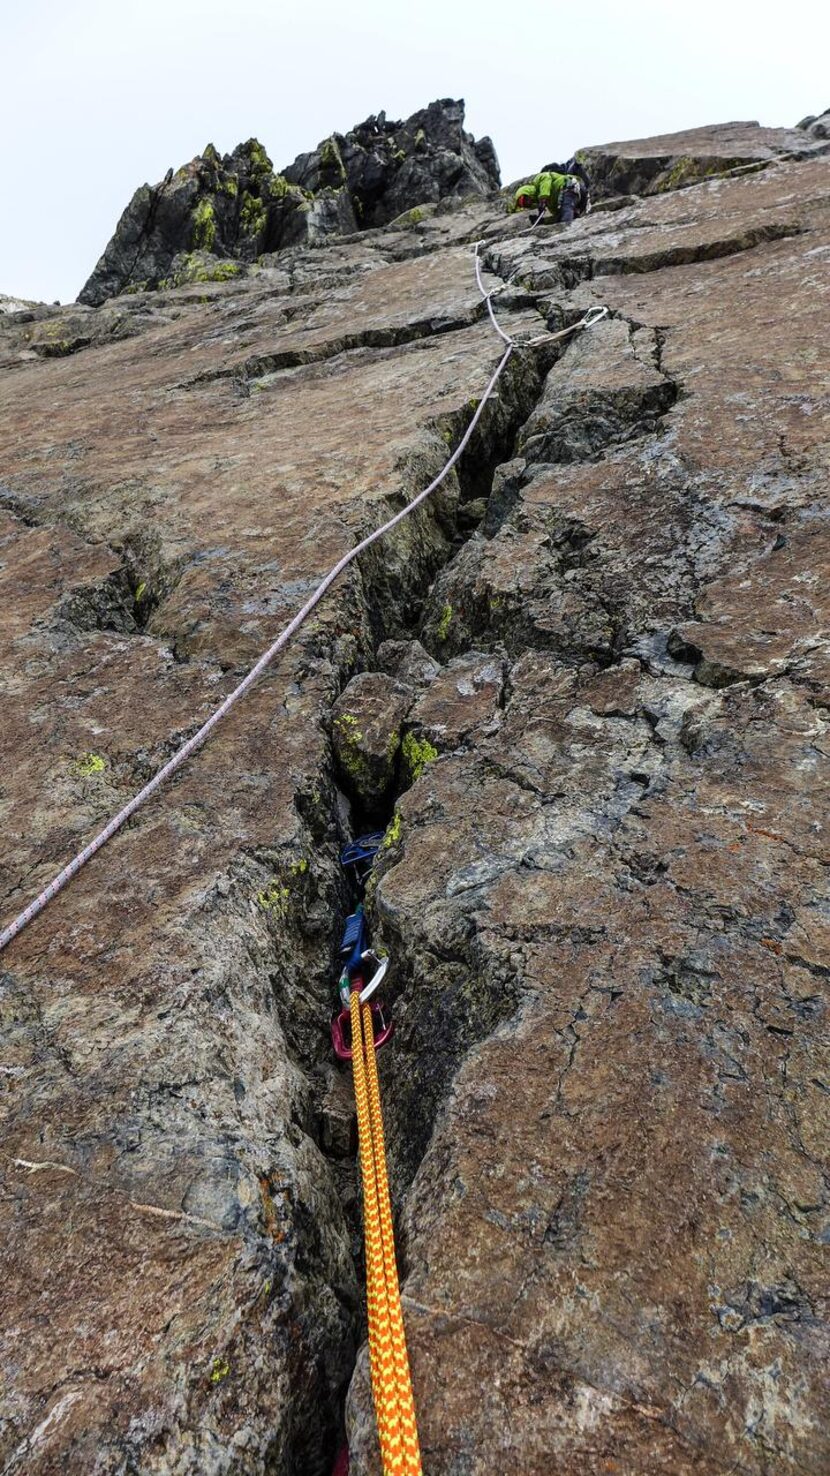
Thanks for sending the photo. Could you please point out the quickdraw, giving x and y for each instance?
(356, 953)
(358, 1030)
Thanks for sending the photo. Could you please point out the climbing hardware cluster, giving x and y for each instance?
(361, 1027)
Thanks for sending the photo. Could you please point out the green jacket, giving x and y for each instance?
(544, 190)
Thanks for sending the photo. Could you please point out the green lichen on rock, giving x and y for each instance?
(681, 172)
(265, 187)
(350, 727)
(57, 349)
(283, 889)
(263, 177)
(89, 764)
(417, 753)
(200, 267)
(219, 1370)
(348, 749)
(204, 226)
(143, 601)
(687, 170)
(278, 186)
(273, 898)
(252, 215)
(442, 629)
(366, 734)
(332, 167)
(260, 164)
(408, 218)
(393, 832)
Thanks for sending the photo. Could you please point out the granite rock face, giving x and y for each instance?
(648, 166)
(216, 215)
(14, 304)
(591, 682)
(817, 127)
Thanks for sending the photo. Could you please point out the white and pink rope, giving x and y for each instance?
(183, 754)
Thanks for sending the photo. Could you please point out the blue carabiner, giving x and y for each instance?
(354, 942)
(360, 853)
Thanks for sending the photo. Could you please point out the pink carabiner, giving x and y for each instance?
(383, 1027)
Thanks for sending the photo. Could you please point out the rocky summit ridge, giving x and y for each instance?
(210, 217)
(584, 691)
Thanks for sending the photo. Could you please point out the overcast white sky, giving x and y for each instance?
(98, 97)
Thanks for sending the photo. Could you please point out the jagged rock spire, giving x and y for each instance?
(237, 206)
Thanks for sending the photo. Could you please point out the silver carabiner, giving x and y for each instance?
(378, 976)
(593, 315)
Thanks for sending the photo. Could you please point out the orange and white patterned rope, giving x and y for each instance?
(388, 1358)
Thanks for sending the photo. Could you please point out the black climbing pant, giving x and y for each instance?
(569, 203)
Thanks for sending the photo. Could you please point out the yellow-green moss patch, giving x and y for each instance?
(393, 832)
(196, 268)
(273, 898)
(89, 764)
(442, 629)
(204, 226)
(252, 215)
(417, 753)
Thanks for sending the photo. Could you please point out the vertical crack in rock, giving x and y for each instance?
(484, 890)
(393, 581)
(453, 992)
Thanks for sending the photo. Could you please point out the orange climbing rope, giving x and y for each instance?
(388, 1358)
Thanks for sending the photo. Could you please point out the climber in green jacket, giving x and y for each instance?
(563, 191)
